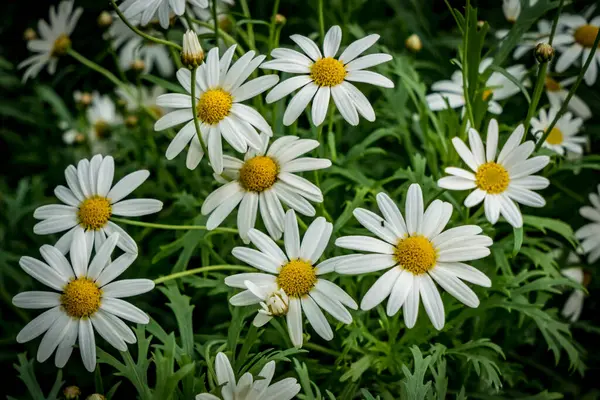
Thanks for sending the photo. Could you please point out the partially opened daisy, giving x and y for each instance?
(579, 40)
(500, 182)
(220, 91)
(589, 234)
(54, 39)
(297, 273)
(90, 200)
(323, 76)
(557, 94)
(415, 250)
(563, 137)
(499, 87)
(265, 179)
(146, 10)
(248, 389)
(85, 298)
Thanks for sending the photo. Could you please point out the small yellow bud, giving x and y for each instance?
(280, 19)
(131, 121)
(192, 54)
(138, 65)
(79, 138)
(95, 396)
(105, 19)
(413, 43)
(544, 52)
(85, 99)
(29, 34)
(72, 393)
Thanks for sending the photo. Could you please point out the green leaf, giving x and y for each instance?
(511, 78)
(518, 235)
(182, 309)
(412, 384)
(554, 225)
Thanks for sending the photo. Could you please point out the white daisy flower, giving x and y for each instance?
(296, 272)
(90, 201)
(563, 137)
(144, 97)
(574, 304)
(71, 136)
(219, 92)
(54, 39)
(248, 389)
(589, 234)
(324, 76)
(87, 299)
(264, 180)
(146, 10)
(102, 116)
(499, 87)
(502, 181)
(512, 9)
(579, 39)
(557, 94)
(415, 250)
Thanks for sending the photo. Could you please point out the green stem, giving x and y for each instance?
(215, 22)
(325, 350)
(321, 21)
(92, 65)
(565, 103)
(194, 113)
(555, 22)
(228, 38)
(194, 271)
(272, 27)
(172, 227)
(247, 15)
(140, 33)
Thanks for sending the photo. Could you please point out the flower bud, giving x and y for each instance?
(96, 396)
(192, 54)
(29, 34)
(83, 98)
(276, 304)
(280, 19)
(72, 393)
(131, 121)
(543, 52)
(138, 65)
(413, 43)
(105, 19)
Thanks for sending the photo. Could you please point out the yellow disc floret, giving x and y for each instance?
(214, 106)
(81, 298)
(297, 278)
(258, 174)
(492, 177)
(94, 212)
(555, 136)
(61, 45)
(101, 128)
(552, 85)
(487, 94)
(586, 34)
(415, 254)
(328, 72)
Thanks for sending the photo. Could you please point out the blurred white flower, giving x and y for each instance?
(574, 304)
(563, 137)
(146, 10)
(589, 234)
(142, 96)
(557, 94)
(512, 9)
(102, 117)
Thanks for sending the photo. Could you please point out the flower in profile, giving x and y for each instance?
(86, 298)
(146, 10)
(264, 180)
(220, 91)
(500, 182)
(574, 304)
(248, 389)
(192, 54)
(297, 274)
(498, 87)
(563, 137)
(557, 94)
(323, 76)
(578, 40)
(416, 251)
(54, 39)
(413, 43)
(90, 202)
(102, 116)
(589, 234)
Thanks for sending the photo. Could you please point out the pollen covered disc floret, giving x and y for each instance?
(492, 178)
(297, 278)
(259, 173)
(328, 72)
(61, 45)
(94, 212)
(415, 254)
(586, 34)
(81, 298)
(214, 105)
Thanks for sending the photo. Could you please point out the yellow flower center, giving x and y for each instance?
(101, 128)
(156, 110)
(586, 34)
(297, 278)
(214, 106)
(61, 45)
(415, 254)
(555, 136)
(94, 212)
(81, 298)
(487, 94)
(258, 174)
(492, 177)
(552, 85)
(328, 72)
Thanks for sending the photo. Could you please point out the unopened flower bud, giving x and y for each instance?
(138, 65)
(105, 19)
(280, 19)
(413, 43)
(544, 52)
(131, 121)
(29, 34)
(192, 54)
(72, 393)
(276, 304)
(96, 396)
(84, 98)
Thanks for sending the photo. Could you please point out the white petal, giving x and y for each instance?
(125, 310)
(368, 61)
(256, 259)
(298, 103)
(344, 104)
(414, 209)
(258, 278)
(104, 328)
(357, 47)
(223, 210)
(286, 87)
(364, 263)
(316, 318)
(399, 292)
(455, 287)
(38, 325)
(513, 141)
(308, 46)
(34, 300)
(365, 243)
(137, 207)
(320, 105)
(127, 288)
(510, 211)
(380, 289)
(56, 260)
(392, 214)
(411, 305)
(42, 273)
(87, 344)
(492, 140)
(432, 301)
(294, 321)
(333, 307)
(127, 185)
